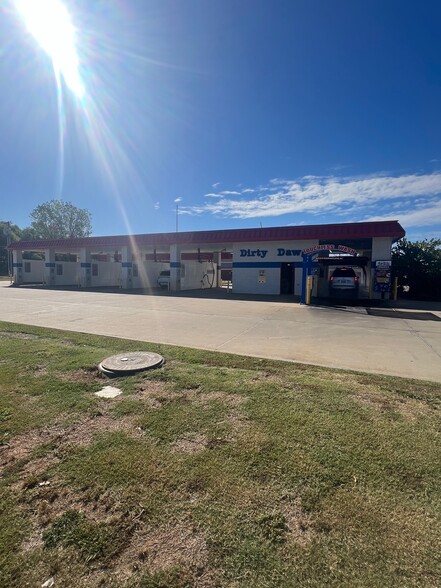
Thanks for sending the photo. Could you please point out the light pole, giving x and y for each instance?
(7, 233)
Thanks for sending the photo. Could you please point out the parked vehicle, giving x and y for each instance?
(164, 279)
(344, 281)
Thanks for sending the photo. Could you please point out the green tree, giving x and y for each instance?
(57, 219)
(418, 265)
(8, 233)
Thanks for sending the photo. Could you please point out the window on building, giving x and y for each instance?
(27, 267)
(94, 269)
(135, 270)
(59, 269)
(182, 270)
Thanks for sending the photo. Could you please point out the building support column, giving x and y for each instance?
(49, 267)
(217, 262)
(175, 268)
(85, 268)
(17, 267)
(304, 276)
(126, 268)
(381, 251)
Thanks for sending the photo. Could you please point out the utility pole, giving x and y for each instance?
(177, 217)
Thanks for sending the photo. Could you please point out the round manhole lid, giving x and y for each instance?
(133, 361)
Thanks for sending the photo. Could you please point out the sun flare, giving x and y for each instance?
(50, 24)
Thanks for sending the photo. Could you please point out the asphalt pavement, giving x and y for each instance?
(402, 342)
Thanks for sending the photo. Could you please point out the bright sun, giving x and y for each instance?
(50, 24)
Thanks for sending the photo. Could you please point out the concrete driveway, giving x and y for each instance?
(398, 344)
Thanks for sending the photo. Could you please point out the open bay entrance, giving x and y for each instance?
(287, 278)
(344, 252)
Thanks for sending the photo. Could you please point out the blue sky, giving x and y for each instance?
(247, 112)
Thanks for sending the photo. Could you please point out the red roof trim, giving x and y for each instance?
(334, 231)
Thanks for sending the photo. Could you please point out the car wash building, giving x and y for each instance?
(268, 261)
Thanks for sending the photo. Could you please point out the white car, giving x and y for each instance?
(343, 281)
(164, 279)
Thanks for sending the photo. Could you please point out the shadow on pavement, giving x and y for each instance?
(399, 314)
(206, 293)
(417, 304)
(343, 303)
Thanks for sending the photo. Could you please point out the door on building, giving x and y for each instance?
(287, 278)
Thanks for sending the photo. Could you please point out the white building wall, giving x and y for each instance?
(248, 280)
(109, 274)
(36, 273)
(196, 275)
(250, 259)
(381, 249)
(70, 273)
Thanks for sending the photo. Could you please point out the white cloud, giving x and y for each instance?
(222, 194)
(421, 217)
(178, 200)
(156, 206)
(215, 185)
(338, 195)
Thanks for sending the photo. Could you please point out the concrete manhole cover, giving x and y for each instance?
(134, 361)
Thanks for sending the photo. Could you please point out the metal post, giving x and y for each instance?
(395, 288)
(308, 289)
(7, 234)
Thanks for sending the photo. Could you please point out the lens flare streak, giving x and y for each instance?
(50, 24)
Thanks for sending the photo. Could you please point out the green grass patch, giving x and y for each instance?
(93, 540)
(212, 471)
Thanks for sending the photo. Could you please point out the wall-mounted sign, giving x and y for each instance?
(382, 275)
(330, 247)
(262, 277)
(345, 249)
(317, 248)
(285, 252)
(385, 265)
(253, 253)
(262, 253)
(281, 251)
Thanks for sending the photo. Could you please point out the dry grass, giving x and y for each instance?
(212, 472)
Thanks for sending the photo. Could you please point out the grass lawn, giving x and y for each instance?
(212, 471)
